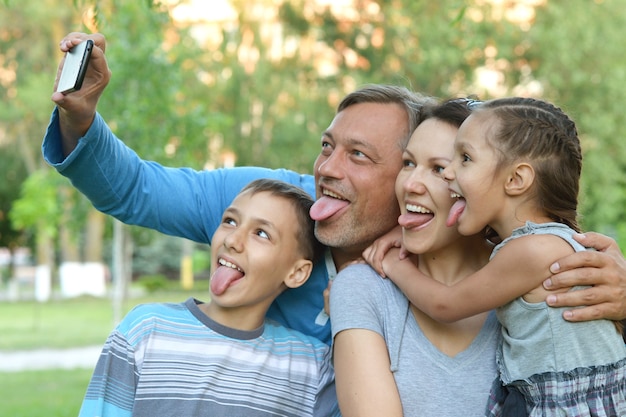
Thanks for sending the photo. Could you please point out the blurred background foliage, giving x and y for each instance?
(217, 83)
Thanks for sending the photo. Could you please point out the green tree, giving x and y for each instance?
(579, 59)
(27, 65)
(264, 85)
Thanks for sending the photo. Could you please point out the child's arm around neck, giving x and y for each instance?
(518, 269)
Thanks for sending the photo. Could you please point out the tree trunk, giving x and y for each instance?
(122, 267)
(94, 235)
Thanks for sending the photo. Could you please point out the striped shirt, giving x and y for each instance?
(172, 360)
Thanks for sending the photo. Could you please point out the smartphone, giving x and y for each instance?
(75, 67)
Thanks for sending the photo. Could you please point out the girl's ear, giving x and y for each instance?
(521, 178)
(299, 274)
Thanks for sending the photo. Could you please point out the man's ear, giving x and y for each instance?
(299, 274)
(521, 178)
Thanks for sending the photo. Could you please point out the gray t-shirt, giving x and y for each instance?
(431, 384)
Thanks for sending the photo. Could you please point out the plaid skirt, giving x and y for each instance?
(598, 391)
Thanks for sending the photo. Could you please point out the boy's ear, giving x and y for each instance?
(521, 178)
(299, 274)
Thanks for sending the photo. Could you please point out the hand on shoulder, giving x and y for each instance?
(604, 269)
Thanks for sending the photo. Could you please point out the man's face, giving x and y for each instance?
(355, 175)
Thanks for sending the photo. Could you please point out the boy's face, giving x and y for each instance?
(254, 250)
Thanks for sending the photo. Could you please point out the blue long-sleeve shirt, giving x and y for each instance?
(178, 201)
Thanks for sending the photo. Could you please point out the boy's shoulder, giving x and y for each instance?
(286, 336)
(143, 314)
(156, 308)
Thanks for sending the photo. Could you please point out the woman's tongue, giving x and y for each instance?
(222, 278)
(455, 212)
(325, 207)
(412, 220)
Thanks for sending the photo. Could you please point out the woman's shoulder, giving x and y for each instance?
(360, 284)
(360, 276)
(358, 269)
(362, 299)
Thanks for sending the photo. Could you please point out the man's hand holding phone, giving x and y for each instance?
(75, 67)
(77, 101)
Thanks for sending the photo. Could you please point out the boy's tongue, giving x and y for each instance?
(222, 278)
(455, 212)
(325, 207)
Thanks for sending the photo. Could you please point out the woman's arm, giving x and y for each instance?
(365, 384)
(361, 306)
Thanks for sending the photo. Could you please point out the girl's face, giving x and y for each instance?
(473, 177)
(422, 192)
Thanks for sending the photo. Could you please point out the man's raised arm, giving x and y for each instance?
(78, 109)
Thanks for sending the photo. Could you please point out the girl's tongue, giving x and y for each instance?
(455, 212)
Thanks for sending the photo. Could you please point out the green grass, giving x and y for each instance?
(82, 321)
(57, 393)
(55, 324)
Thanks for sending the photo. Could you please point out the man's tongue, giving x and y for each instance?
(325, 207)
(222, 278)
(412, 220)
(455, 212)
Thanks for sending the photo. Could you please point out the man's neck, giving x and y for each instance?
(343, 258)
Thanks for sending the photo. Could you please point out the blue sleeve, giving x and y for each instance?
(302, 308)
(176, 201)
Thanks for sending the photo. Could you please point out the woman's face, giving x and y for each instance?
(421, 190)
